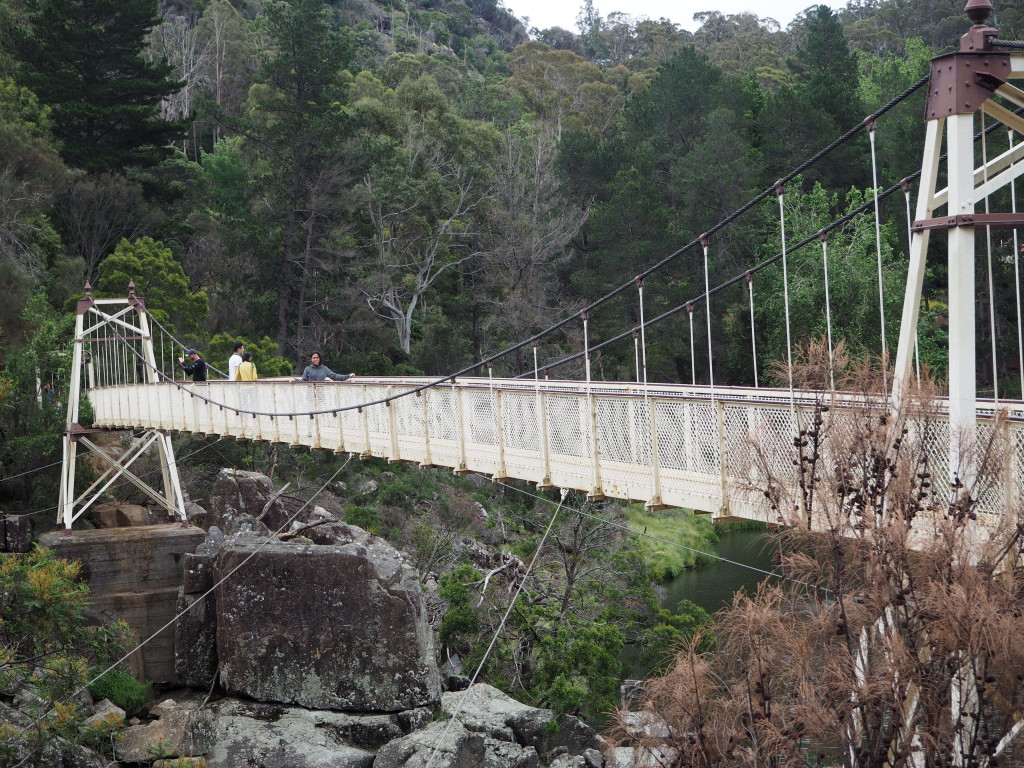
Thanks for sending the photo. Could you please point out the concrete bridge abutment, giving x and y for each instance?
(134, 575)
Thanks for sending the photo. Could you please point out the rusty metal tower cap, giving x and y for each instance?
(978, 11)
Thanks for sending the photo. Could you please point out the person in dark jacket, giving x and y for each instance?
(317, 371)
(196, 367)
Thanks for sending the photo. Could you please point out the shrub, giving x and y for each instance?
(122, 689)
(365, 518)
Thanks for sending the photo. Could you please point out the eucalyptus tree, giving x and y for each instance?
(31, 175)
(566, 92)
(530, 224)
(232, 59)
(429, 173)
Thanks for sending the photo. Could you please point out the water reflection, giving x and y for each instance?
(712, 587)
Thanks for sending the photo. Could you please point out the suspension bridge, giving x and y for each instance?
(693, 445)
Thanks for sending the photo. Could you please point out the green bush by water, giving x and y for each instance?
(683, 537)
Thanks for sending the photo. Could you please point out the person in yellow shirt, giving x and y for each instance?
(246, 369)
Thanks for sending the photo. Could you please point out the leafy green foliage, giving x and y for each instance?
(268, 364)
(365, 518)
(31, 424)
(47, 650)
(590, 595)
(122, 689)
(159, 278)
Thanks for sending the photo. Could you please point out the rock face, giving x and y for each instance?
(483, 708)
(134, 574)
(328, 627)
(236, 492)
(456, 747)
(287, 737)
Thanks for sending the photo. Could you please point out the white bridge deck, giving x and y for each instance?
(566, 434)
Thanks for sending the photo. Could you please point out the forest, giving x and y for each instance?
(412, 187)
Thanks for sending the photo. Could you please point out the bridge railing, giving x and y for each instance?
(661, 444)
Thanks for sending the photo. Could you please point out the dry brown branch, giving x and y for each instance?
(900, 639)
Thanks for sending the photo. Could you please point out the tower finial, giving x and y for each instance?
(88, 291)
(131, 289)
(978, 11)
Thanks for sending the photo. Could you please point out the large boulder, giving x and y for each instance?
(441, 745)
(272, 736)
(237, 493)
(195, 640)
(182, 730)
(483, 708)
(327, 627)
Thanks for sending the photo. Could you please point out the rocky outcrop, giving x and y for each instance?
(456, 747)
(273, 736)
(331, 626)
(181, 730)
(236, 492)
(483, 708)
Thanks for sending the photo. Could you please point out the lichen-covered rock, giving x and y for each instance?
(488, 710)
(326, 627)
(183, 729)
(507, 754)
(640, 757)
(105, 714)
(195, 640)
(455, 747)
(273, 736)
(236, 493)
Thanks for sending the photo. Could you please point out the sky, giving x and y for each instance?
(562, 13)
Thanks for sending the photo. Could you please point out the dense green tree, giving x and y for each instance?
(662, 182)
(158, 278)
(821, 105)
(303, 170)
(83, 58)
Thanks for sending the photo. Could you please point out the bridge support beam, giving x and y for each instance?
(961, 84)
(106, 336)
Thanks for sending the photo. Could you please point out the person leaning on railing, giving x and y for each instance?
(317, 371)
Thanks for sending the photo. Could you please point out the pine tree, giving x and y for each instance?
(83, 59)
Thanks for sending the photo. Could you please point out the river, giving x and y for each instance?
(713, 586)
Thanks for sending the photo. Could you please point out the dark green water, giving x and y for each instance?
(713, 586)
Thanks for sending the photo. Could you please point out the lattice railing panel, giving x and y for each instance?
(541, 434)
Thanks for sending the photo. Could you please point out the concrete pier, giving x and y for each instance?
(134, 575)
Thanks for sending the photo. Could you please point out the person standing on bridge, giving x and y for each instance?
(196, 367)
(317, 371)
(246, 369)
(235, 360)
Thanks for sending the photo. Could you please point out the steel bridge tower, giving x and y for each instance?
(113, 345)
